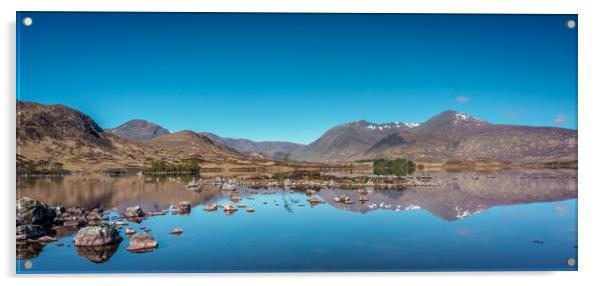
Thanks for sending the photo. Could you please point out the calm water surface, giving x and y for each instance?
(470, 222)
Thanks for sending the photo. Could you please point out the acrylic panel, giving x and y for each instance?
(294, 142)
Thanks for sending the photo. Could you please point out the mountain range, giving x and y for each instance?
(57, 132)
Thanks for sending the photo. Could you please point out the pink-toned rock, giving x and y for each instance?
(97, 235)
(142, 242)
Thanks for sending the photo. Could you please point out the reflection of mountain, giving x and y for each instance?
(464, 194)
(113, 192)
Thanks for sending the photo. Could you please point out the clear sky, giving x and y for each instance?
(293, 76)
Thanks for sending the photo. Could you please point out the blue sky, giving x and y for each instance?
(292, 76)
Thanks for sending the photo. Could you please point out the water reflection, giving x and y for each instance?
(463, 194)
(97, 254)
(458, 195)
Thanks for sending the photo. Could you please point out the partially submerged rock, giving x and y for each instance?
(30, 231)
(134, 212)
(210, 207)
(32, 212)
(314, 201)
(234, 198)
(97, 236)
(129, 231)
(142, 242)
(177, 231)
(343, 199)
(184, 206)
(47, 239)
(363, 199)
(229, 208)
(195, 185)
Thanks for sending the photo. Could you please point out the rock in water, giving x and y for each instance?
(235, 198)
(129, 231)
(210, 207)
(30, 231)
(97, 236)
(32, 212)
(195, 185)
(142, 242)
(134, 212)
(176, 231)
(184, 206)
(363, 199)
(314, 201)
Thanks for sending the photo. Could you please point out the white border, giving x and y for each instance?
(590, 119)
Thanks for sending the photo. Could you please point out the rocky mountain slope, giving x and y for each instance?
(348, 140)
(450, 135)
(138, 130)
(59, 134)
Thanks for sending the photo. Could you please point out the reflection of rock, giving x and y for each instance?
(142, 242)
(28, 250)
(30, 211)
(459, 195)
(97, 235)
(97, 254)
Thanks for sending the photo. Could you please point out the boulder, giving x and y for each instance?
(142, 242)
(129, 231)
(184, 206)
(195, 185)
(134, 212)
(74, 211)
(314, 201)
(210, 207)
(363, 198)
(228, 186)
(234, 198)
(250, 210)
(230, 208)
(32, 212)
(47, 239)
(30, 231)
(97, 236)
(176, 231)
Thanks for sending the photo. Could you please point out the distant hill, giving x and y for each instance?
(59, 134)
(450, 135)
(189, 144)
(274, 149)
(138, 130)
